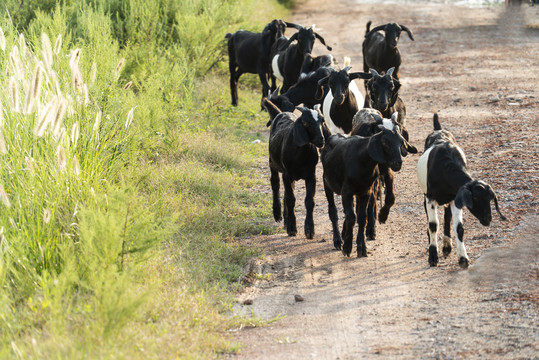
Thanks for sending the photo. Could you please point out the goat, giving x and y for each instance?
(445, 181)
(351, 169)
(366, 123)
(302, 92)
(380, 52)
(383, 95)
(249, 52)
(342, 100)
(311, 63)
(293, 144)
(288, 59)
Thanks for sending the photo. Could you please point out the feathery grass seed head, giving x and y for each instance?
(76, 166)
(34, 91)
(14, 88)
(74, 57)
(128, 85)
(130, 116)
(58, 44)
(4, 197)
(61, 158)
(31, 165)
(119, 68)
(46, 51)
(93, 73)
(75, 134)
(60, 113)
(2, 40)
(3, 148)
(47, 214)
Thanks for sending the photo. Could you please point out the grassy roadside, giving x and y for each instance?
(126, 178)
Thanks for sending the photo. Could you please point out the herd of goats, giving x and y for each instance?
(361, 141)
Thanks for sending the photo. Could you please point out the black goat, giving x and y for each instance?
(302, 92)
(342, 100)
(351, 169)
(383, 95)
(288, 59)
(293, 144)
(366, 123)
(380, 52)
(444, 179)
(249, 52)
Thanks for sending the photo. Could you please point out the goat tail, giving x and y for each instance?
(436, 122)
(368, 27)
(272, 109)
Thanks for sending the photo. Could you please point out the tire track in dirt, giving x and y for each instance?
(471, 65)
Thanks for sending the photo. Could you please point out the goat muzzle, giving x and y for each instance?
(395, 165)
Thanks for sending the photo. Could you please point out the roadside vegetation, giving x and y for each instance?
(126, 178)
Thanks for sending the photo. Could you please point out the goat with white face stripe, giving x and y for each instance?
(445, 180)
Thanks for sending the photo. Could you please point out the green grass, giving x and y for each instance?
(121, 224)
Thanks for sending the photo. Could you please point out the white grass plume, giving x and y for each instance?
(2, 40)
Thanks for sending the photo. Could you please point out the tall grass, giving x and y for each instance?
(125, 177)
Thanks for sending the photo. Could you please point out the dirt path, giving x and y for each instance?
(478, 67)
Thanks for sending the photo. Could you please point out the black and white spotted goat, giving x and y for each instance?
(293, 144)
(288, 60)
(445, 180)
(351, 170)
(343, 99)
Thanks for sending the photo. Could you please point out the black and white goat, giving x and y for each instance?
(383, 95)
(380, 52)
(351, 170)
(342, 100)
(302, 92)
(289, 59)
(249, 52)
(366, 123)
(445, 181)
(293, 144)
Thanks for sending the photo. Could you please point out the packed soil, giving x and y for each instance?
(478, 68)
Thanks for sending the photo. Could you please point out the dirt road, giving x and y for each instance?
(478, 67)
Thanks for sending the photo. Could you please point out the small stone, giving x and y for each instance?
(493, 99)
(256, 141)
(298, 298)
(248, 302)
(457, 99)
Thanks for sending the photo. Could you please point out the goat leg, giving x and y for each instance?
(275, 184)
(361, 211)
(389, 200)
(333, 216)
(310, 186)
(290, 203)
(349, 222)
(446, 247)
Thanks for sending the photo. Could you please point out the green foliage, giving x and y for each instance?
(122, 210)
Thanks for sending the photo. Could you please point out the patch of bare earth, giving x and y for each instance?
(478, 67)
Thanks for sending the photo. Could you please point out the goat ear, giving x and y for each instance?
(464, 198)
(376, 152)
(301, 136)
(410, 35)
(374, 72)
(496, 204)
(290, 41)
(320, 88)
(292, 25)
(375, 29)
(359, 75)
(322, 40)
(389, 73)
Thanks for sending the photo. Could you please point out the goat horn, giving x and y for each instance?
(410, 35)
(497, 208)
(374, 72)
(390, 72)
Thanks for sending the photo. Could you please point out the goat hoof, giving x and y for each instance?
(382, 216)
(347, 254)
(463, 262)
(309, 234)
(446, 250)
(362, 253)
(433, 256)
(337, 245)
(291, 233)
